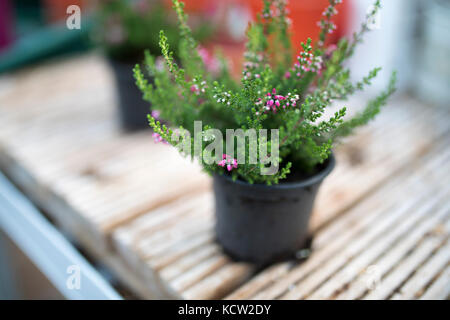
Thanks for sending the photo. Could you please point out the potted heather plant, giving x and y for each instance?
(124, 29)
(265, 183)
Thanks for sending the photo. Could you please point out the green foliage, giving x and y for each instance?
(273, 93)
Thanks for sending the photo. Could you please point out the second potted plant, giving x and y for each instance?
(124, 29)
(267, 140)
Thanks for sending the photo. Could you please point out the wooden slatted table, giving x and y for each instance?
(381, 220)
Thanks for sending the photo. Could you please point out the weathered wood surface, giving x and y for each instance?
(381, 220)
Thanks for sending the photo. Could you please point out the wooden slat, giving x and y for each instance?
(390, 260)
(430, 270)
(199, 272)
(188, 262)
(223, 281)
(407, 266)
(440, 288)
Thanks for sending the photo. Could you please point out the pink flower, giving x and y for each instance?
(228, 162)
(272, 101)
(195, 89)
(155, 114)
(157, 138)
(212, 64)
(330, 49)
(307, 62)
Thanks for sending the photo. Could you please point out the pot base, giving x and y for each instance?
(298, 256)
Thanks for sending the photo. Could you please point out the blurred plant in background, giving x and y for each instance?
(125, 28)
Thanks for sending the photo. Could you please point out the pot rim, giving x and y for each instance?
(318, 177)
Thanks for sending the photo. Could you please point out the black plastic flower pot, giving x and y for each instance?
(265, 224)
(132, 109)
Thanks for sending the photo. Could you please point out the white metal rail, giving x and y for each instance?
(49, 250)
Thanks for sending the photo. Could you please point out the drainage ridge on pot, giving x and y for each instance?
(265, 224)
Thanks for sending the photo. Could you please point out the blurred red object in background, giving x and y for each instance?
(56, 10)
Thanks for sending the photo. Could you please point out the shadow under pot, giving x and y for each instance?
(132, 109)
(265, 224)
